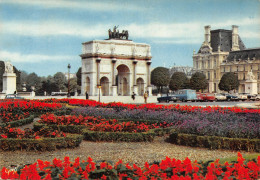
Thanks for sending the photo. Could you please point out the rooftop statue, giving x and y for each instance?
(8, 67)
(115, 34)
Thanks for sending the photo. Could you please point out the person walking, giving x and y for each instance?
(86, 94)
(145, 97)
(133, 96)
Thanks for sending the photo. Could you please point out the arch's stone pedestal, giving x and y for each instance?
(120, 67)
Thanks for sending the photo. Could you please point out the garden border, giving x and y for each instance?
(20, 122)
(118, 136)
(215, 142)
(42, 144)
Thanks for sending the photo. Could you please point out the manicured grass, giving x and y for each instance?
(234, 158)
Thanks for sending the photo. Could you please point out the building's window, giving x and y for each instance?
(258, 66)
(208, 75)
(197, 64)
(251, 67)
(215, 63)
(224, 69)
(244, 68)
(215, 74)
(208, 63)
(202, 64)
(237, 68)
(258, 75)
(244, 76)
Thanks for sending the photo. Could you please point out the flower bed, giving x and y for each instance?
(166, 169)
(13, 110)
(232, 125)
(44, 139)
(176, 107)
(99, 124)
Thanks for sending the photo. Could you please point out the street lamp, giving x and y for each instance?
(69, 80)
(99, 88)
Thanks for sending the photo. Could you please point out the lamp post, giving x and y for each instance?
(69, 80)
(99, 88)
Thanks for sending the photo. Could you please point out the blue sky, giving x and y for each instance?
(43, 36)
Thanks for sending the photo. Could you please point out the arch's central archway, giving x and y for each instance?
(123, 78)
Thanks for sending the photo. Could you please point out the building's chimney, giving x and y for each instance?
(207, 34)
(235, 44)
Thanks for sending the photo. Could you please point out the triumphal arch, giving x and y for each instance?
(116, 66)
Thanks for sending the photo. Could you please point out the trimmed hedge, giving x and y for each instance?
(215, 142)
(18, 123)
(118, 136)
(65, 128)
(43, 144)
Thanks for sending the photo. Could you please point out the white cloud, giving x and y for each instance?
(32, 58)
(75, 4)
(167, 32)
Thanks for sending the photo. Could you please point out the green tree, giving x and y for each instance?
(179, 80)
(78, 74)
(60, 80)
(33, 80)
(160, 77)
(198, 81)
(229, 81)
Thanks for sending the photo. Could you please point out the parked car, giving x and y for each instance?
(199, 96)
(242, 96)
(208, 97)
(230, 97)
(186, 95)
(220, 97)
(255, 97)
(13, 96)
(167, 98)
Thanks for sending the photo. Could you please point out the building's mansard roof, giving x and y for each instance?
(223, 38)
(246, 54)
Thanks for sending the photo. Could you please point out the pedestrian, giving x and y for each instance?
(145, 97)
(86, 94)
(133, 96)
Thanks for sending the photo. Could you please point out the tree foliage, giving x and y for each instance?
(229, 81)
(160, 77)
(78, 74)
(60, 80)
(179, 80)
(198, 81)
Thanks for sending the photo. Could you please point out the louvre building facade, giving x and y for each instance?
(224, 51)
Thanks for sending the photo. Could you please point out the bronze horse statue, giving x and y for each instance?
(116, 35)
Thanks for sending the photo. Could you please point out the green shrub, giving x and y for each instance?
(215, 142)
(19, 122)
(42, 144)
(118, 136)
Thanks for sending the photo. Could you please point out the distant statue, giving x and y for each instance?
(250, 75)
(9, 67)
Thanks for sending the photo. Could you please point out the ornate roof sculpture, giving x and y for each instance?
(115, 34)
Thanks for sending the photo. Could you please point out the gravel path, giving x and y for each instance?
(136, 153)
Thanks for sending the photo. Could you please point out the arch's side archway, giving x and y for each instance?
(140, 86)
(123, 77)
(104, 82)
